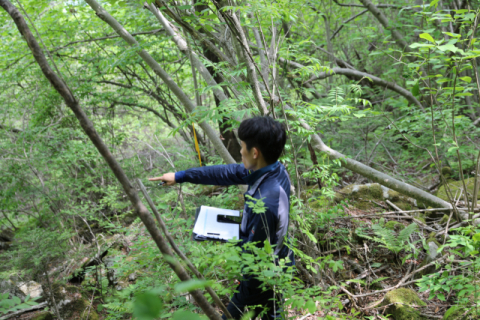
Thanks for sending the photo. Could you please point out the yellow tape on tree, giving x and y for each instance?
(196, 145)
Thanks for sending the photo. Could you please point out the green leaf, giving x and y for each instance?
(147, 306)
(441, 297)
(466, 79)
(434, 3)
(476, 237)
(192, 285)
(416, 90)
(310, 305)
(267, 246)
(427, 37)
(186, 315)
(448, 47)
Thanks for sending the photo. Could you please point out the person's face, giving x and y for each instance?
(249, 157)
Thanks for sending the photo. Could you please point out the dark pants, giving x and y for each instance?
(250, 294)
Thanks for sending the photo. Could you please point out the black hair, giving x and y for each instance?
(264, 133)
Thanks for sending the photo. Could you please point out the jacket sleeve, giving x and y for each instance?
(221, 175)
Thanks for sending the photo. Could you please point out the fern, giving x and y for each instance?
(389, 239)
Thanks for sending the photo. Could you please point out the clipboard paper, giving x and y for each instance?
(213, 224)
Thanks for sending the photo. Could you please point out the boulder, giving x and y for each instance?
(394, 225)
(10, 287)
(80, 309)
(456, 187)
(432, 255)
(6, 237)
(31, 288)
(402, 303)
(43, 315)
(365, 195)
(112, 273)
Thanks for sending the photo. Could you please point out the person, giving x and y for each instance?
(262, 142)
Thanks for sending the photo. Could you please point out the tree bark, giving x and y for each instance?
(89, 129)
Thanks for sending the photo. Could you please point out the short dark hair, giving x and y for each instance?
(264, 133)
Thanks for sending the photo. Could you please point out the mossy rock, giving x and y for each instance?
(404, 205)
(447, 172)
(456, 186)
(320, 203)
(394, 225)
(44, 315)
(81, 309)
(445, 219)
(310, 192)
(365, 196)
(361, 194)
(402, 302)
(394, 195)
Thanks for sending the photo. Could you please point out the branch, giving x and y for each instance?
(167, 79)
(369, 172)
(345, 22)
(378, 5)
(105, 38)
(359, 76)
(383, 20)
(89, 129)
(16, 313)
(183, 47)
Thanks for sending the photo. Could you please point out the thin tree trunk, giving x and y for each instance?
(89, 129)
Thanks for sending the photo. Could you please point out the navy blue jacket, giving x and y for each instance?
(271, 183)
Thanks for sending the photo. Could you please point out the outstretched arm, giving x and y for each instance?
(223, 175)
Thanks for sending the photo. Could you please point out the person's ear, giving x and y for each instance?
(255, 153)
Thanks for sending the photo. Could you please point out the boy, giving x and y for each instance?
(262, 141)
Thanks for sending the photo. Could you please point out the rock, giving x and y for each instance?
(9, 286)
(80, 309)
(6, 237)
(445, 219)
(364, 194)
(111, 272)
(394, 225)
(456, 186)
(44, 315)
(31, 288)
(432, 255)
(402, 303)
(6, 234)
(446, 172)
(132, 277)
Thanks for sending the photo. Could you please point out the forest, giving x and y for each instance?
(380, 100)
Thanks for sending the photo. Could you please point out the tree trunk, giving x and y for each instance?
(89, 129)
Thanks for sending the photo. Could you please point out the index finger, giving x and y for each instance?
(155, 179)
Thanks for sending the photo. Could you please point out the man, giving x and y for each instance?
(262, 142)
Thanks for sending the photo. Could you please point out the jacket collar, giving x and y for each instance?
(254, 179)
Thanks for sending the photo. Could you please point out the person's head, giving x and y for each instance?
(262, 139)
